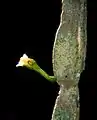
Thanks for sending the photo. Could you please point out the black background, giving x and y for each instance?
(30, 27)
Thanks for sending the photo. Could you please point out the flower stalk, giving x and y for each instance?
(32, 65)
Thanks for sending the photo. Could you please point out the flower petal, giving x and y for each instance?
(23, 60)
(25, 56)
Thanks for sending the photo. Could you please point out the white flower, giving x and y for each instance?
(23, 61)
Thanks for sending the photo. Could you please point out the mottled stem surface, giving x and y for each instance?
(69, 54)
